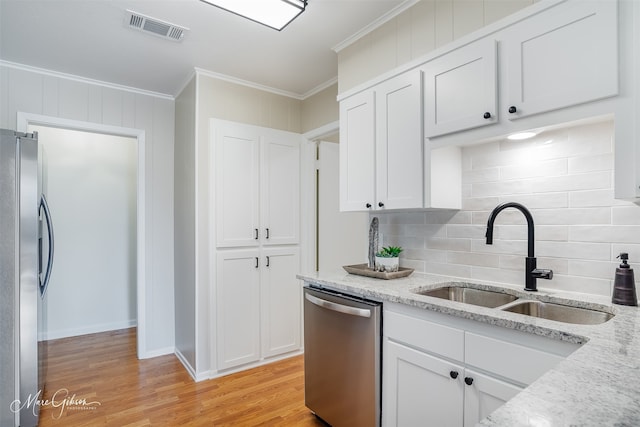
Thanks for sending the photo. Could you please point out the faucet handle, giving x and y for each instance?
(540, 273)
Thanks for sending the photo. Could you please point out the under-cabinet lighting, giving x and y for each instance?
(521, 135)
(275, 14)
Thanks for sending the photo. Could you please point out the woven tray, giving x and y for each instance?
(364, 270)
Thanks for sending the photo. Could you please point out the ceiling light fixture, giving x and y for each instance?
(275, 14)
(521, 135)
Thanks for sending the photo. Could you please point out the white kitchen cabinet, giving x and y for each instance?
(419, 389)
(460, 89)
(237, 307)
(484, 395)
(258, 305)
(357, 152)
(423, 389)
(281, 311)
(257, 185)
(447, 371)
(560, 58)
(255, 254)
(382, 147)
(399, 145)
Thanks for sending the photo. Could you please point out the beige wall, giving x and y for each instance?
(424, 27)
(320, 109)
(184, 222)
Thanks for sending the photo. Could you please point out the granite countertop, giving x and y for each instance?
(597, 385)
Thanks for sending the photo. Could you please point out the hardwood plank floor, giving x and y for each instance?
(96, 380)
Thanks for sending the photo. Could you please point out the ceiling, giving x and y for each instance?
(88, 38)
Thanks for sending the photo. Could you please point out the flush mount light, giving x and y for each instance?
(521, 135)
(275, 14)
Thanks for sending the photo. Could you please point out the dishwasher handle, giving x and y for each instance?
(353, 311)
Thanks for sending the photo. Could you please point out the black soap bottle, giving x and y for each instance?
(624, 285)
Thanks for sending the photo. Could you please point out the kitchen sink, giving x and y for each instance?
(472, 296)
(557, 312)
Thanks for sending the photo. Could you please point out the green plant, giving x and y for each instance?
(389, 252)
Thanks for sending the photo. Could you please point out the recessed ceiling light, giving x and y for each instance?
(521, 135)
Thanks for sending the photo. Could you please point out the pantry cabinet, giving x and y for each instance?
(256, 256)
(257, 185)
(381, 146)
(258, 308)
(443, 370)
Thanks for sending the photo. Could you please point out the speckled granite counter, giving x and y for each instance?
(597, 385)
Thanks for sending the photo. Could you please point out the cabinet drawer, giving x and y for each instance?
(425, 335)
(513, 361)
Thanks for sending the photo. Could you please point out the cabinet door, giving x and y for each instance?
(460, 89)
(399, 143)
(357, 152)
(484, 395)
(237, 169)
(562, 58)
(281, 301)
(237, 308)
(280, 188)
(419, 389)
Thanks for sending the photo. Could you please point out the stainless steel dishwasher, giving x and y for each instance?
(342, 371)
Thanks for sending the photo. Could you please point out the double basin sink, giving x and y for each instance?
(513, 304)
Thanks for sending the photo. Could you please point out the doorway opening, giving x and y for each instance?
(95, 186)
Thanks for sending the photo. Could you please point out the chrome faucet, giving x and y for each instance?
(531, 271)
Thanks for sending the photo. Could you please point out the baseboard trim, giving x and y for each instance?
(87, 329)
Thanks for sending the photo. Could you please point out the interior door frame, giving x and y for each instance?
(26, 119)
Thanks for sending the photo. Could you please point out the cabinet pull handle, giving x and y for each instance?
(381, 204)
(368, 205)
(487, 115)
(267, 233)
(453, 374)
(257, 262)
(268, 261)
(468, 380)
(256, 230)
(512, 109)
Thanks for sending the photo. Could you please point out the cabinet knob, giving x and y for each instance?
(267, 233)
(468, 380)
(368, 205)
(257, 262)
(381, 204)
(453, 374)
(487, 115)
(268, 261)
(256, 236)
(512, 109)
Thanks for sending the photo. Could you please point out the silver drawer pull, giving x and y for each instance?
(353, 311)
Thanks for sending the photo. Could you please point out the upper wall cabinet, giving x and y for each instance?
(381, 146)
(460, 89)
(257, 185)
(564, 57)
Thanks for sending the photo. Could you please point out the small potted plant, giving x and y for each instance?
(387, 259)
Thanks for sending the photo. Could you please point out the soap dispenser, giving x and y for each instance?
(624, 285)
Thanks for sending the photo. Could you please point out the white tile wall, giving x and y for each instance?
(565, 178)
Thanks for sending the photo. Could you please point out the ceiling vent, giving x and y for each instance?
(166, 30)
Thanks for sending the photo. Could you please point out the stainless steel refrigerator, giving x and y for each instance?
(26, 259)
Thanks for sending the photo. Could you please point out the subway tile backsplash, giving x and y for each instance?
(565, 178)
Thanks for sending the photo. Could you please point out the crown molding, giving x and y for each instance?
(374, 25)
(81, 79)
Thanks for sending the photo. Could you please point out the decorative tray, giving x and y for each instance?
(364, 270)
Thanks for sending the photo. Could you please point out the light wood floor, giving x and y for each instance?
(103, 368)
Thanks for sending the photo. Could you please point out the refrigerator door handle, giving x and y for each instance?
(353, 311)
(44, 281)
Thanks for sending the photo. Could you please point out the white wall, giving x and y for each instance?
(91, 191)
(34, 91)
(565, 177)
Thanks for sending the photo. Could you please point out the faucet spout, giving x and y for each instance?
(532, 272)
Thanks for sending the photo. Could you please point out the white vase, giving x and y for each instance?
(387, 265)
